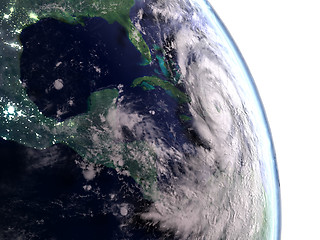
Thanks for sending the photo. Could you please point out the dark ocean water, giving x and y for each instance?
(89, 58)
(42, 191)
(86, 58)
(42, 195)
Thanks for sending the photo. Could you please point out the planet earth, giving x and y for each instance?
(130, 119)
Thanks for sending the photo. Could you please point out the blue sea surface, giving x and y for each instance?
(43, 191)
(86, 58)
(42, 196)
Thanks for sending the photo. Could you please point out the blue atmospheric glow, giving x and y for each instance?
(268, 163)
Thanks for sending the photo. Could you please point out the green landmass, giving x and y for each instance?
(90, 135)
(184, 118)
(22, 13)
(168, 86)
(87, 134)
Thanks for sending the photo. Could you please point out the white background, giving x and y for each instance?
(280, 41)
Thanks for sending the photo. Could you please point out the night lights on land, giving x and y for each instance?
(13, 45)
(11, 109)
(7, 16)
(33, 16)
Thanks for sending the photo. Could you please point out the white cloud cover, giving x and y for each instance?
(280, 42)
